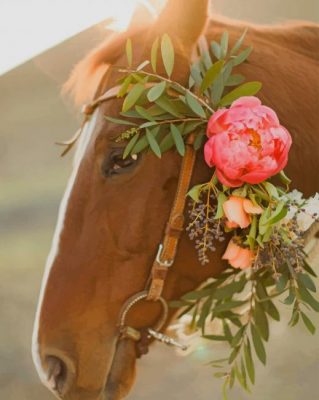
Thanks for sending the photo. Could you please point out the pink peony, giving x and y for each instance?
(246, 143)
(237, 211)
(238, 257)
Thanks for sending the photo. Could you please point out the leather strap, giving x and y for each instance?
(174, 228)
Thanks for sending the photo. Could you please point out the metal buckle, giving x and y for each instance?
(165, 263)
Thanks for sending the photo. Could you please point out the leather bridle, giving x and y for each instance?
(167, 250)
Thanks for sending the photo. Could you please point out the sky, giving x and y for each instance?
(29, 27)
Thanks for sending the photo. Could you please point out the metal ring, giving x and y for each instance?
(132, 301)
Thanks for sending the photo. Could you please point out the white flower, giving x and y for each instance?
(309, 207)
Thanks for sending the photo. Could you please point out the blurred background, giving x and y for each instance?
(53, 36)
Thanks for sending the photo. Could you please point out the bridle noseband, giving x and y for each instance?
(167, 250)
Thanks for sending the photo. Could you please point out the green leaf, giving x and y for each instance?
(246, 89)
(235, 80)
(168, 106)
(195, 105)
(144, 113)
(258, 344)
(129, 52)
(178, 139)
(154, 53)
(252, 233)
(271, 189)
(211, 75)
(141, 145)
(168, 54)
(216, 338)
(199, 140)
(228, 305)
(237, 338)
(308, 269)
(218, 89)
(130, 145)
(308, 298)
(196, 74)
(249, 362)
(310, 326)
(282, 283)
(284, 178)
(153, 143)
(239, 43)
(216, 50)
(125, 86)
(272, 310)
(234, 354)
(224, 44)
(156, 91)
(242, 56)
(195, 192)
(133, 97)
(306, 281)
(220, 202)
(120, 121)
(261, 321)
(278, 214)
(167, 142)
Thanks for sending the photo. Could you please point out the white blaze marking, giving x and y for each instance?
(82, 146)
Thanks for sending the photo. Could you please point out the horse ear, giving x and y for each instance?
(184, 19)
(142, 15)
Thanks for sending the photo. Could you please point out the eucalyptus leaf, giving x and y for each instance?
(235, 80)
(211, 75)
(156, 91)
(133, 97)
(215, 47)
(261, 321)
(220, 202)
(153, 143)
(125, 86)
(118, 121)
(306, 281)
(310, 326)
(242, 56)
(130, 145)
(224, 44)
(178, 139)
(168, 54)
(239, 43)
(195, 105)
(246, 89)
(249, 361)
(144, 113)
(168, 106)
(129, 52)
(258, 344)
(154, 53)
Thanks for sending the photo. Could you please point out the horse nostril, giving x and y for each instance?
(56, 374)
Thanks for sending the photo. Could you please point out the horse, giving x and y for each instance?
(113, 213)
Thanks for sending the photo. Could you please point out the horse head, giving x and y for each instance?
(111, 221)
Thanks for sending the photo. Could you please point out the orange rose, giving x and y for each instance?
(238, 210)
(238, 257)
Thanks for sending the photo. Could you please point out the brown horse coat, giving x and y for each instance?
(109, 228)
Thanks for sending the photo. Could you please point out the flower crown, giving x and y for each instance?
(245, 145)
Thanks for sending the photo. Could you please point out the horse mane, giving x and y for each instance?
(87, 74)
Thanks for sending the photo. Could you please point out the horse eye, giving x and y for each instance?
(116, 165)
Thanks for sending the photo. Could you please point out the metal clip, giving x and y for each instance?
(161, 337)
(165, 263)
